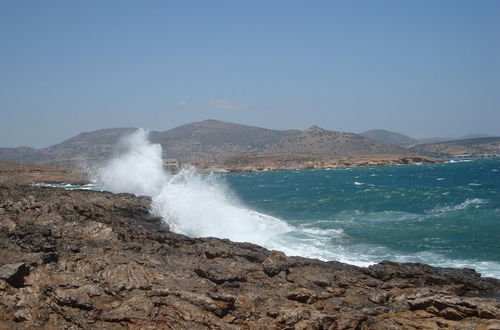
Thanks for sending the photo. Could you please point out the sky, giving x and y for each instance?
(422, 68)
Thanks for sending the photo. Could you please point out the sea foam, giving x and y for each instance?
(469, 202)
(202, 205)
(190, 203)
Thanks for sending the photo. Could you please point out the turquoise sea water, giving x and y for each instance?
(443, 214)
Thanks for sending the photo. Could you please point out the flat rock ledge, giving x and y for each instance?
(85, 260)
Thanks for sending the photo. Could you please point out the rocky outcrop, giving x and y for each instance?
(319, 141)
(476, 147)
(292, 162)
(82, 259)
(18, 173)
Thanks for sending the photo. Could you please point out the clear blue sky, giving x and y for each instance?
(422, 68)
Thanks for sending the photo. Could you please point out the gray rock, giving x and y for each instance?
(14, 274)
(100, 260)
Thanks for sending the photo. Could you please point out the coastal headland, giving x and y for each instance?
(85, 259)
(292, 162)
(31, 173)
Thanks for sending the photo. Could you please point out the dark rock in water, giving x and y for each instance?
(82, 259)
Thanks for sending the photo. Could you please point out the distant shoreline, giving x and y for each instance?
(30, 173)
(292, 162)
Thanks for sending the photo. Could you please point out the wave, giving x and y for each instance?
(202, 205)
(459, 161)
(324, 232)
(468, 203)
(335, 244)
(191, 204)
(67, 186)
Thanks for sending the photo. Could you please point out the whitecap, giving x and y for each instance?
(324, 232)
(469, 202)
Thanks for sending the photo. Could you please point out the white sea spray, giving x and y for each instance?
(192, 204)
(203, 205)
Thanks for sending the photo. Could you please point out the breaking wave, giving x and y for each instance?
(190, 203)
(468, 203)
(202, 205)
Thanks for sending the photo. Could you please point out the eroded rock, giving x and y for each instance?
(83, 259)
(14, 274)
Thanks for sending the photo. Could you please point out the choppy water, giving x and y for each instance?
(442, 214)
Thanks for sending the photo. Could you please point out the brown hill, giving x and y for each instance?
(205, 139)
(474, 147)
(21, 154)
(85, 147)
(208, 139)
(318, 141)
(389, 137)
(213, 138)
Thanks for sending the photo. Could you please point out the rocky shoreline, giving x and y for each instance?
(258, 163)
(84, 259)
(32, 173)
(29, 173)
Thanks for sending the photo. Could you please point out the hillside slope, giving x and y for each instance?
(473, 147)
(213, 138)
(205, 139)
(20, 154)
(318, 141)
(88, 146)
(389, 137)
(448, 139)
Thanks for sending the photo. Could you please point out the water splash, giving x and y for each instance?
(192, 204)
(202, 205)
(137, 167)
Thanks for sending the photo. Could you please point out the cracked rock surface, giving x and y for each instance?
(83, 259)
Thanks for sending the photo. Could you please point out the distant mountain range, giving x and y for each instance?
(205, 139)
(210, 139)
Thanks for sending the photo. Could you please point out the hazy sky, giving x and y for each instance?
(422, 68)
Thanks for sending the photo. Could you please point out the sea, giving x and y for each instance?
(445, 214)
